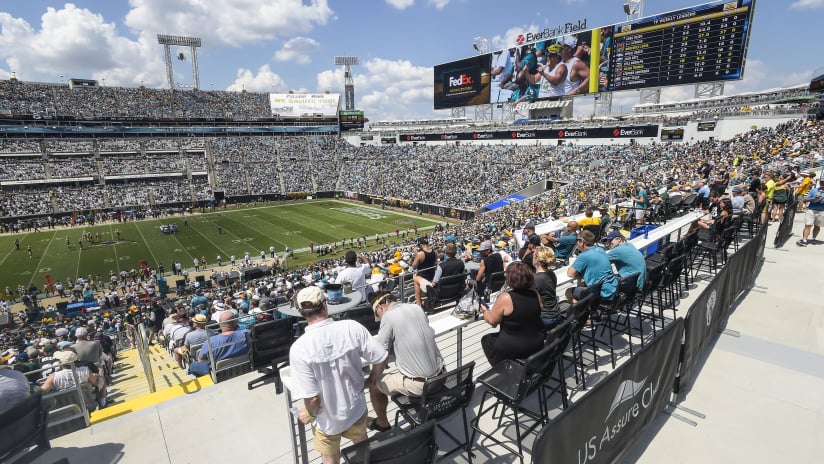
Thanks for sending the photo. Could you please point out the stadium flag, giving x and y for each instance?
(74, 221)
(49, 284)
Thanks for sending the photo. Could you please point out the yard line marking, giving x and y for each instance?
(12, 251)
(147, 244)
(184, 249)
(40, 262)
(116, 259)
(222, 251)
(79, 253)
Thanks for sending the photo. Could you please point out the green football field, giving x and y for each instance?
(248, 229)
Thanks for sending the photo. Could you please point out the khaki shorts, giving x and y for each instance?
(329, 445)
(814, 218)
(394, 383)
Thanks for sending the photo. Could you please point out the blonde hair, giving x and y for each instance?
(545, 256)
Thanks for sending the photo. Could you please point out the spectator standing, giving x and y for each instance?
(814, 216)
(327, 373)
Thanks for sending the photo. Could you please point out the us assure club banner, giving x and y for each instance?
(601, 426)
(555, 134)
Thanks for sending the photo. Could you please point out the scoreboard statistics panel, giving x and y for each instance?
(704, 43)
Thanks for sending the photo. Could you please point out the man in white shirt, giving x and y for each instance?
(327, 373)
(355, 273)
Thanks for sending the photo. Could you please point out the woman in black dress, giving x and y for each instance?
(518, 311)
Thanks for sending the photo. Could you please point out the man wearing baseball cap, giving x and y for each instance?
(327, 373)
(804, 187)
(577, 78)
(626, 258)
(814, 216)
(554, 71)
(491, 263)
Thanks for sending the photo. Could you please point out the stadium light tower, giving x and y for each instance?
(481, 45)
(634, 9)
(192, 42)
(348, 81)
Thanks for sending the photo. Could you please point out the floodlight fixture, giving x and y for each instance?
(181, 41)
(346, 60)
(633, 9)
(481, 45)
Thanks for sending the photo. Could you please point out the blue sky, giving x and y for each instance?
(278, 45)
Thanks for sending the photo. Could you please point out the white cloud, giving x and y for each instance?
(401, 4)
(808, 4)
(386, 89)
(76, 42)
(264, 81)
(439, 4)
(508, 39)
(230, 22)
(297, 50)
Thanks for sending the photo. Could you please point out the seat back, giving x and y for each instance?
(447, 393)
(365, 316)
(451, 288)
(22, 426)
(595, 291)
(688, 201)
(664, 253)
(627, 288)
(579, 313)
(539, 367)
(674, 268)
(415, 446)
(269, 342)
(595, 229)
(496, 281)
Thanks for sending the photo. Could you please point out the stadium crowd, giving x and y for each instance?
(466, 177)
(585, 176)
(100, 101)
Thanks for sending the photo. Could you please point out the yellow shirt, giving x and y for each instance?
(395, 268)
(589, 221)
(806, 184)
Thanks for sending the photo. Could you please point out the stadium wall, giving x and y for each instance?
(723, 129)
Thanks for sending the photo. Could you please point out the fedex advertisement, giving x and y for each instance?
(462, 83)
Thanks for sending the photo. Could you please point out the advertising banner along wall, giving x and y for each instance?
(619, 132)
(296, 105)
(602, 426)
(705, 316)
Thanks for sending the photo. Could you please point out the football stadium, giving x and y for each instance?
(629, 286)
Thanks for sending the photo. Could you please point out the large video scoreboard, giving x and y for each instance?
(703, 43)
(706, 43)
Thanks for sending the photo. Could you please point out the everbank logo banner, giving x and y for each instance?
(602, 426)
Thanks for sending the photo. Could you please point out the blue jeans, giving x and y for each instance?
(552, 322)
(199, 369)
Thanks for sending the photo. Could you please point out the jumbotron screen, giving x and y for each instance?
(703, 43)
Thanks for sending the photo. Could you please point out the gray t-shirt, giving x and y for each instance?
(406, 333)
(195, 337)
(88, 350)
